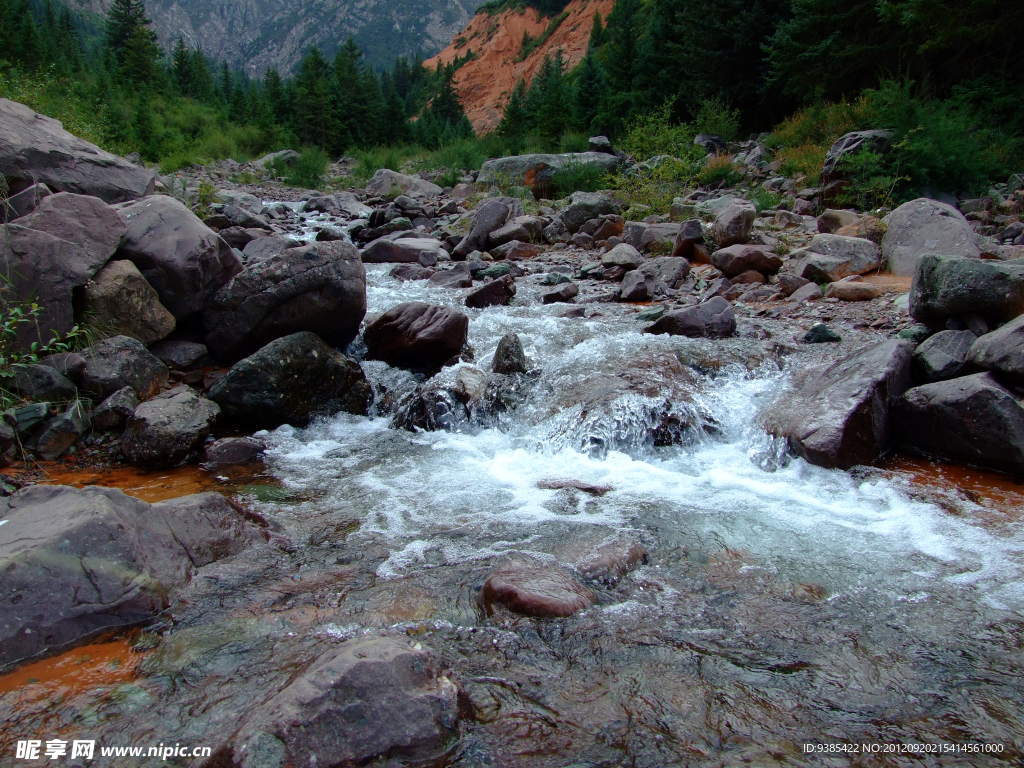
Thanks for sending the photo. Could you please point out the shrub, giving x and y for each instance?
(805, 160)
(578, 177)
(719, 171)
(714, 116)
(654, 133)
(574, 142)
(656, 187)
(307, 171)
(766, 200)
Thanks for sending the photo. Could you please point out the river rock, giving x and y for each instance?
(319, 288)
(651, 237)
(852, 289)
(924, 226)
(689, 243)
(517, 251)
(584, 206)
(122, 303)
(637, 286)
(36, 149)
(289, 381)
(181, 355)
(947, 287)
(50, 268)
(509, 357)
(526, 229)
(113, 413)
(168, 429)
(612, 560)
(831, 220)
(417, 336)
(407, 272)
(388, 183)
(488, 217)
(41, 383)
(840, 416)
(495, 293)
(733, 224)
(339, 204)
(183, 259)
(425, 251)
(60, 432)
(972, 419)
(122, 361)
(230, 451)
(543, 591)
(943, 355)
(623, 255)
(21, 203)
(537, 171)
(1002, 352)
(562, 294)
(80, 562)
(713, 319)
(368, 701)
(832, 257)
(737, 259)
(458, 276)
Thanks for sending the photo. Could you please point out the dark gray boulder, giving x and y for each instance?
(737, 259)
(973, 419)
(180, 355)
(1002, 352)
(713, 319)
(26, 201)
(489, 216)
(36, 149)
(79, 562)
(943, 355)
(924, 226)
(182, 258)
(417, 336)
(113, 413)
(495, 293)
(637, 285)
(167, 430)
(840, 416)
(289, 381)
(121, 361)
(509, 357)
(562, 294)
(41, 383)
(59, 433)
(233, 450)
(425, 251)
(319, 288)
(368, 701)
(584, 206)
(458, 276)
(953, 286)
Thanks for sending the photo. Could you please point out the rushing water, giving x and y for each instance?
(804, 603)
(781, 604)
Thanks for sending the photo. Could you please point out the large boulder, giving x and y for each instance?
(169, 429)
(623, 255)
(733, 223)
(388, 183)
(182, 258)
(339, 204)
(851, 143)
(121, 361)
(537, 172)
(925, 226)
(417, 336)
(319, 288)
(973, 419)
(840, 416)
(35, 149)
(943, 355)
(122, 303)
(953, 286)
(737, 259)
(713, 319)
(584, 206)
(50, 254)
(1001, 352)
(489, 216)
(78, 563)
(828, 258)
(425, 251)
(289, 381)
(369, 701)
(492, 294)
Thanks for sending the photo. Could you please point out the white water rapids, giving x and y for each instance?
(443, 498)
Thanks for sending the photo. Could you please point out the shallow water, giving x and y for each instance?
(781, 605)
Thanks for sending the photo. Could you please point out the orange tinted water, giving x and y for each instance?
(72, 672)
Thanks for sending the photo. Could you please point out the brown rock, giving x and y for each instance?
(541, 591)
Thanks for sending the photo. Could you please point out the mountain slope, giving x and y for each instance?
(257, 34)
(485, 83)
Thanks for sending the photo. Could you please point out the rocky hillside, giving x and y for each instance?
(485, 83)
(278, 32)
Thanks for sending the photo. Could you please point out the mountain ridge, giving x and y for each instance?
(283, 30)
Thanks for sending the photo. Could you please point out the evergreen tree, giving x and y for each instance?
(313, 105)
(587, 95)
(515, 120)
(130, 41)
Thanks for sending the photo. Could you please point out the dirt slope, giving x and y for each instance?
(485, 83)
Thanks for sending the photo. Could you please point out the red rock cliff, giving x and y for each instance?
(496, 40)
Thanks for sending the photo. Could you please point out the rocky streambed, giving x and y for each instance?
(494, 484)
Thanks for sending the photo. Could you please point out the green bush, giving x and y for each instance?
(578, 177)
(306, 172)
(654, 133)
(766, 200)
(714, 116)
(657, 187)
(719, 171)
